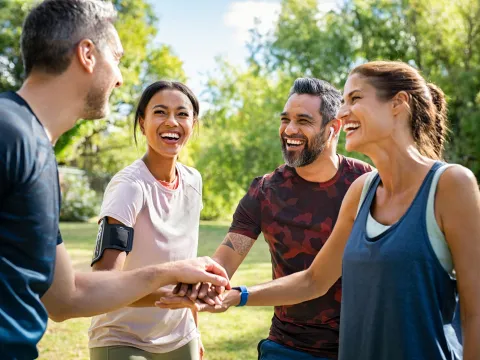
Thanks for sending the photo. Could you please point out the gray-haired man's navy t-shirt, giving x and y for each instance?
(29, 234)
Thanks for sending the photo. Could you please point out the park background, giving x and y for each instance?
(240, 58)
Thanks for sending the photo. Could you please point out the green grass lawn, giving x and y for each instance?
(231, 335)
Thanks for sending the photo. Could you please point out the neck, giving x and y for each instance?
(162, 168)
(55, 102)
(322, 169)
(399, 168)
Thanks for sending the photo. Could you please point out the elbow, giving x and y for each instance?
(59, 313)
(313, 285)
(58, 316)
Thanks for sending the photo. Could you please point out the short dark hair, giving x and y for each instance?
(331, 98)
(156, 87)
(53, 28)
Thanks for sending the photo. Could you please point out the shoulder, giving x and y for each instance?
(457, 180)
(356, 166)
(18, 141)
(189, 171)
(128, 180)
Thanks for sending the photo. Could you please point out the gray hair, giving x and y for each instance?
(53, 28)
(331, 98)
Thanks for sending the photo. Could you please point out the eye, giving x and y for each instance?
(161, 112)
(303, 121)
(183, 114)
(355, 98)
(284, 120)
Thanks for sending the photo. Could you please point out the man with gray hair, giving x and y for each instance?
(295, 207)
(71, 52)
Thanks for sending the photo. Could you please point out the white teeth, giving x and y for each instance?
(170, 135)
(293, 142)
(351, 126)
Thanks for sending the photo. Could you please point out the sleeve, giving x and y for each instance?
(59, 237)
(14, 159)
(123, 200)
(247, 216)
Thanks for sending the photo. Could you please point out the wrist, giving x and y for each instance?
(232, 298)
(164, 274)
(243, 294)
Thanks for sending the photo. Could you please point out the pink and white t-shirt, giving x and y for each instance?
(166, 224)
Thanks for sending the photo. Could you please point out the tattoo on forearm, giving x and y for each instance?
(239, 243)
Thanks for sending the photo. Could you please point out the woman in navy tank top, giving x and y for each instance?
(398, 300)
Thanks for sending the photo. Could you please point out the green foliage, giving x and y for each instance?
(12, 13)
(79, 201)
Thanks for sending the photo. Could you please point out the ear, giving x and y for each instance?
(336, 125)
(85, 52)
(400, 101)
(141, 122)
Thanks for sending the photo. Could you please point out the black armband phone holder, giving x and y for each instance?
(112, 236)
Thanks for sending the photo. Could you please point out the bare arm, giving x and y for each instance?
(458, 204)
(232, 251)
(114, 260)
(87, 294)
(308, 284)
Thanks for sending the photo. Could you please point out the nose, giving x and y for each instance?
(119, 79)
(291, 129)
(343, 112)
(171, 120)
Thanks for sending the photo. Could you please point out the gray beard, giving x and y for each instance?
(309, 153)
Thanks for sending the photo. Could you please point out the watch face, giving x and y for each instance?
(98, 245)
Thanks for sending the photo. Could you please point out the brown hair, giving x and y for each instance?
(428, 107)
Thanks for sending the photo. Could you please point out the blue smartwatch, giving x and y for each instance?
(243, 294)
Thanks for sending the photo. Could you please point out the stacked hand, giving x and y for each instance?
(203, 296)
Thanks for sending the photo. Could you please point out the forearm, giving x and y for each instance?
(231, 252)
(151, 299)
(288, 290)
(471, 336)
(103, 291)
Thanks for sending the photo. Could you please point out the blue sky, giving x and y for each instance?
(200, 30)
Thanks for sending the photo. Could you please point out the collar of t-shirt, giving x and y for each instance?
(170, 185)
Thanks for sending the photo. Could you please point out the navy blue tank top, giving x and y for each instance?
(398, 301)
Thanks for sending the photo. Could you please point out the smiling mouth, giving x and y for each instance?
(170, 137)
(351, 127)
(293, 143)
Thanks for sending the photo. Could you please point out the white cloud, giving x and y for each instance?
(325, 6)
(241, 16)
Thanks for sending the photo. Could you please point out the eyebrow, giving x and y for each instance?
(308, 116)
(166, 107)
(349, 94)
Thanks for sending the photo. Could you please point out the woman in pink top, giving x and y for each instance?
(159, 200)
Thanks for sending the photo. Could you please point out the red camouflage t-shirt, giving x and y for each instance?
(296, 218)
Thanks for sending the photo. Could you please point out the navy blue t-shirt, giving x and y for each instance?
(29, 233)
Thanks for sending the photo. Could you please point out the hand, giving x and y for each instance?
(207, 292)
(231, 298)
(202, 269)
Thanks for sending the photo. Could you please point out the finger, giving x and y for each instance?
(194, 293)
(219, 289)
(203, 290)
(189, 291)
(213, 295)
(183, 290)
(176, 289)
(214, 279)
(216, 269)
